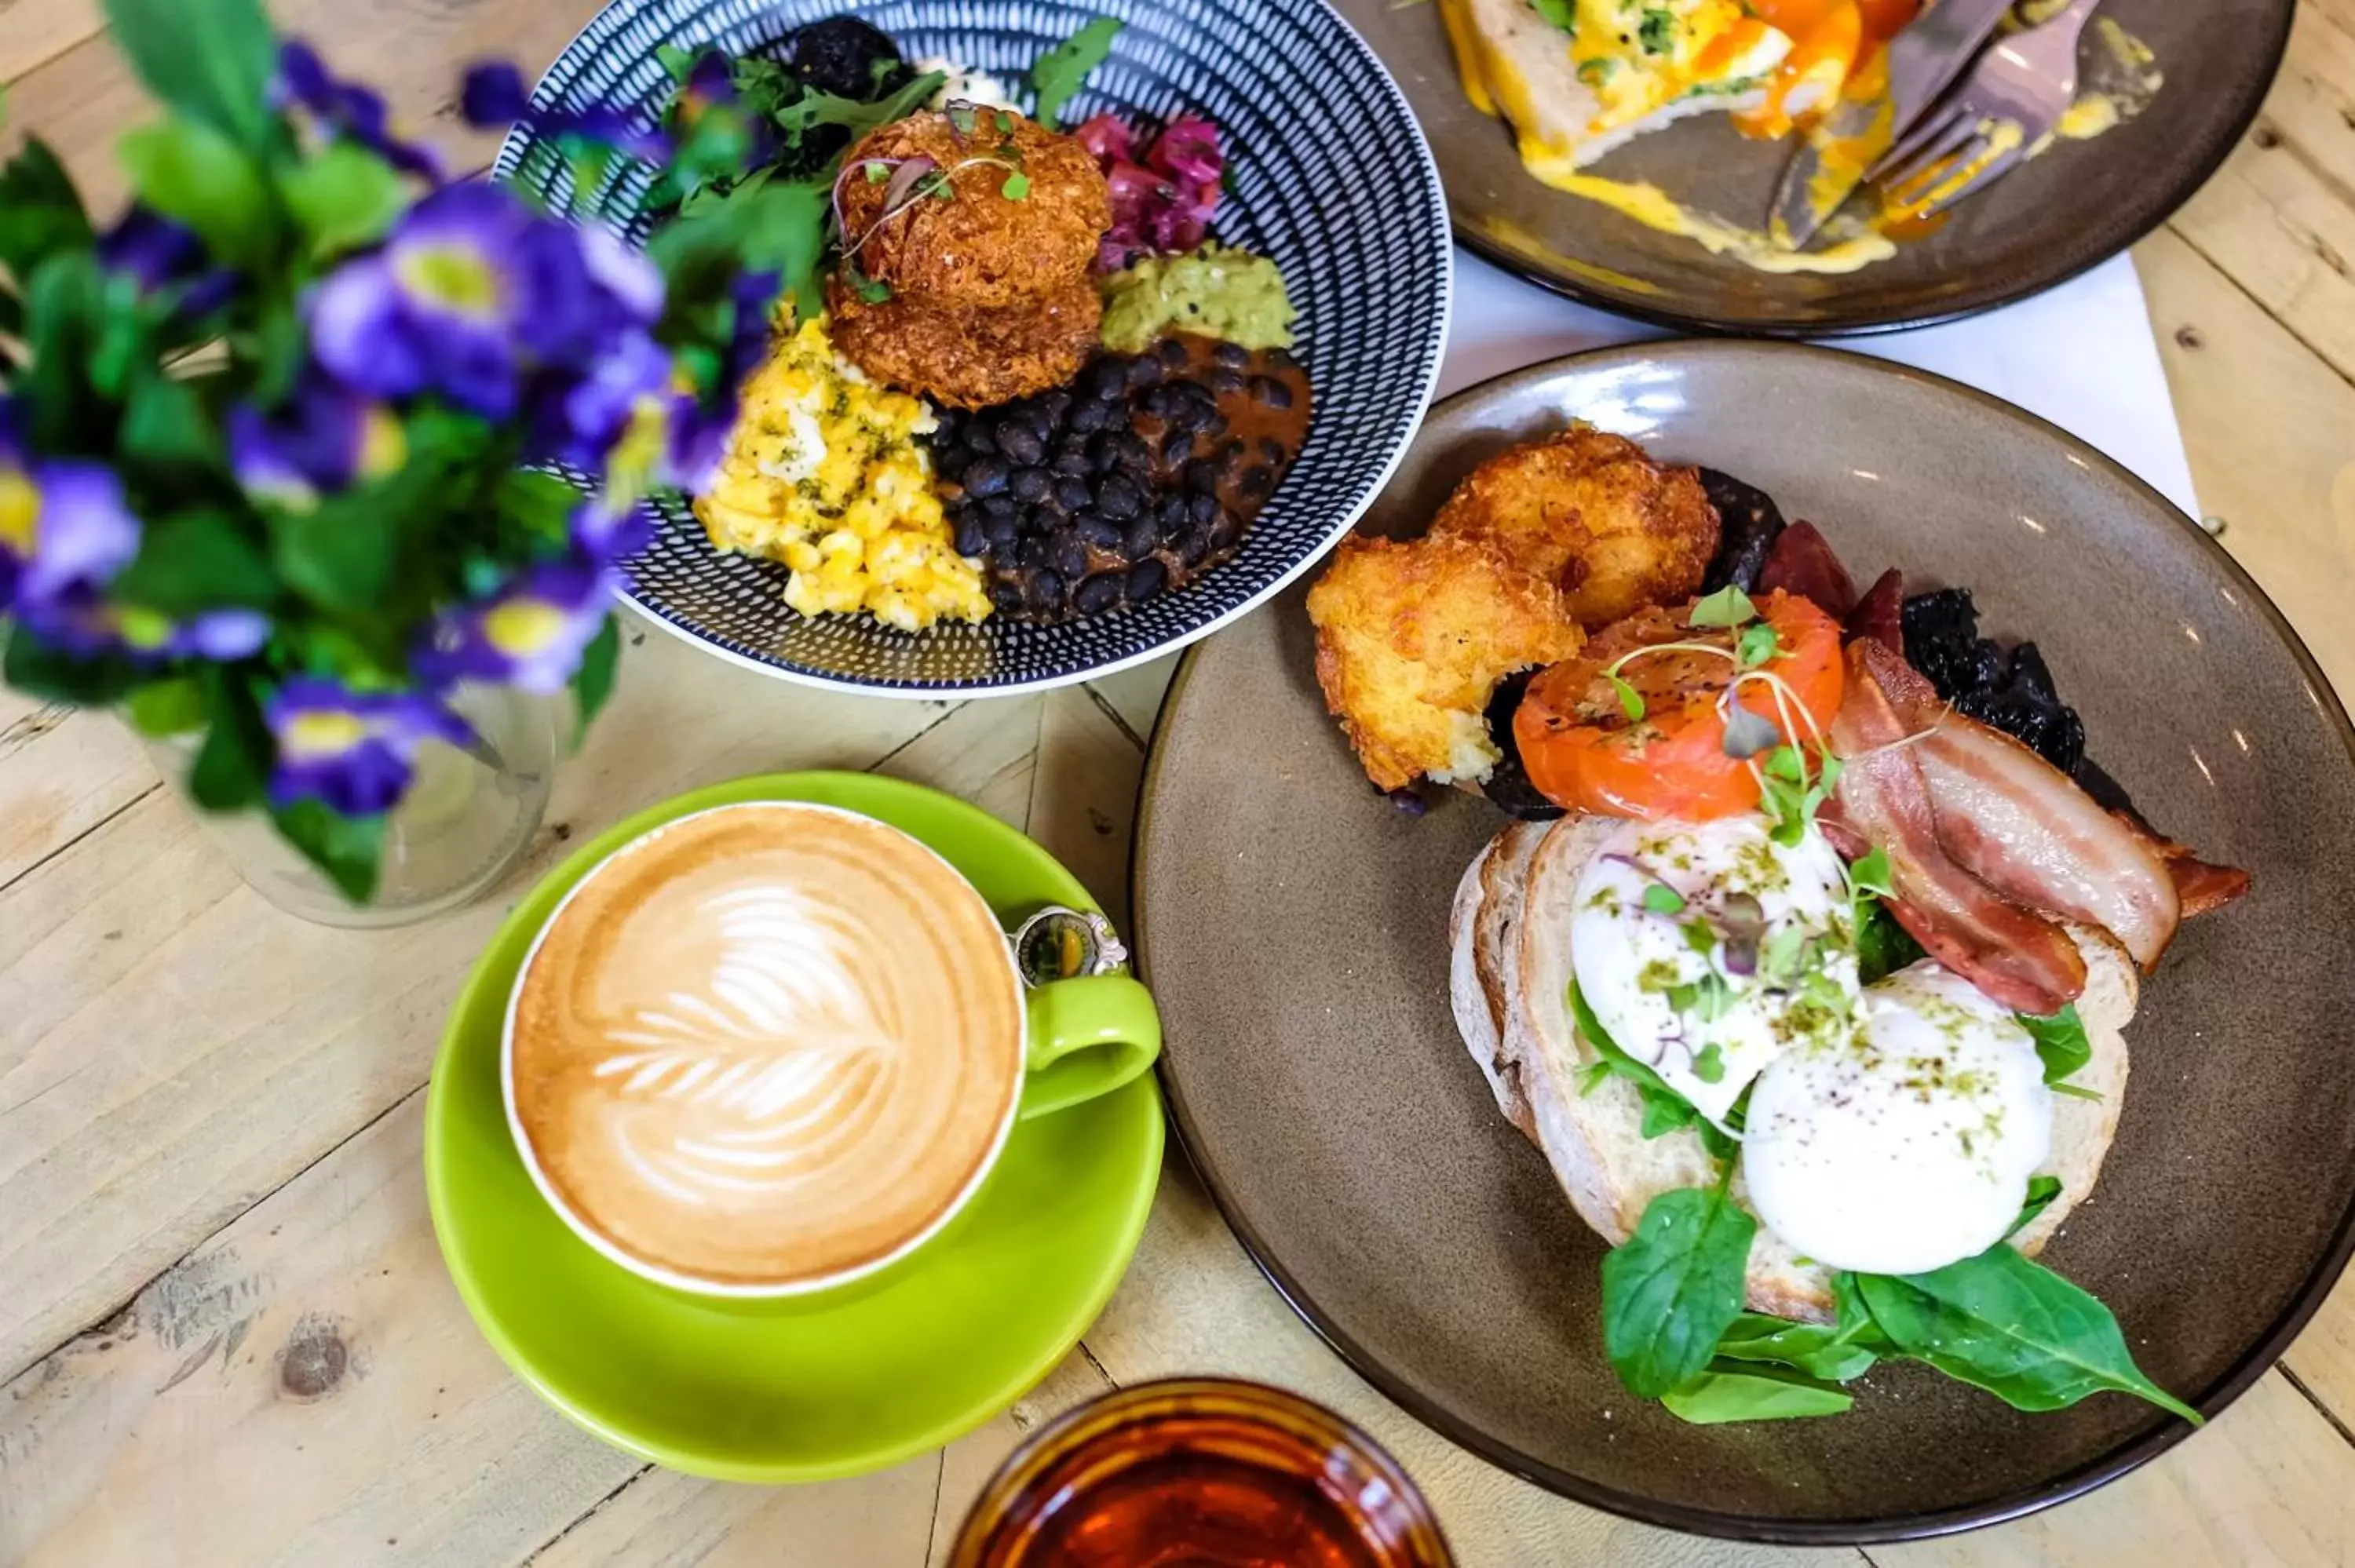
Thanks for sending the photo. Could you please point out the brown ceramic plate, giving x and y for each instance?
(1294, 926)
(2076, 206)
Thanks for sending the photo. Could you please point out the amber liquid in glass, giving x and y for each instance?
(1201, 1474)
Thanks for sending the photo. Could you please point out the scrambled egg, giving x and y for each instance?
(825, 472)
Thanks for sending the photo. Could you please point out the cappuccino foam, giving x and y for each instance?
(768, 1045)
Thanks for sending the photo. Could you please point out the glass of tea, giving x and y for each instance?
(1200, 1473)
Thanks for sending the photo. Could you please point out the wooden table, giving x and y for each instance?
(226, 1335)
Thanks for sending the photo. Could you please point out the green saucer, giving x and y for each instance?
(816, 1387)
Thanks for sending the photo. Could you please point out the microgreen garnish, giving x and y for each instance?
(1598, 71)
(1005, 124)
(1748, 733)
(1790, 789)
(877, 171)
(1063, 70)
(1662, 899)
(1700, 936)
(1016, 187)
(1757, 644)
(1728, 607)
(1783, 955)
(1707, 998)
(1709, 1067)
(1869, 873)
(1631, 700)
(962, 116)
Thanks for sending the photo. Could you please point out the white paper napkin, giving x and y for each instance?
(2081, 356)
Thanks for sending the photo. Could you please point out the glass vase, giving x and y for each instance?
(469, 816)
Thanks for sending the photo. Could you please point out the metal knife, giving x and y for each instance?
(1924, 61)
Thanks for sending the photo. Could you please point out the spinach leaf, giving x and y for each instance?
(1665, 1110)
(2041, 1191)
(1735, 1392)
(2011, 1327)
(854, 115)
(1671, 1290)
(2062, 1044)
(1835, 1353)
(210, 59)
(1882, 946)
(1063, 71)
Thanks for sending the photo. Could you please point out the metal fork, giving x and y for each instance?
(2007, 104)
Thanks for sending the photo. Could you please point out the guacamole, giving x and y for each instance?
(1217, 291)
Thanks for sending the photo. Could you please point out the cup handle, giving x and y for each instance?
(1089, 1036)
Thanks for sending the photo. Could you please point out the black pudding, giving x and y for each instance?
(1145, 579)
(1097, 594)
(1749, 523)
(840, 56)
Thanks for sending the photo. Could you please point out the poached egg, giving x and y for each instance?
(1908, 1145)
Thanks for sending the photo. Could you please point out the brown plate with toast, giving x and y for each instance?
(1311, 945)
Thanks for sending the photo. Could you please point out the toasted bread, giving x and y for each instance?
(1517, 899)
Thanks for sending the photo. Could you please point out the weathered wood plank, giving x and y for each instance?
(1084, 799)
(1136, 694)
(33, 32)
(63, 772)
(172, 1048)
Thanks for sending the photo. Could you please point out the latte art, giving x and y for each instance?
(772, 1042)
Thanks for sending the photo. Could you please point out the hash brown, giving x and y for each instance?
(968, 358)
(977, 248)
(1594, 514)
(1412, 638)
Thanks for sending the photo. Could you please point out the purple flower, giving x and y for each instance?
(493, 94)
(64, 526)
(324, 439)
(610, 528)
(353, 751)
(347, 110)
(581, 421)
(83, 623)
(528, 634)
(471, 292)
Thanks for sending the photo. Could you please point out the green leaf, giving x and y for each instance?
(1870, 873)
(346, 848)
(2041, 1191)
(856, 115)
(187, 169)
(1709, 1064)
(232, 767)
(2060, 1042)
(210, 59)
(676, 62)
(40, 214)
(195, 561)
(173, 705)
(1631, 700)
(2005, 1324)
(56, 676)
(166, 432)
(540, 503)
(1757, 645)
(592, 683)
(1729, 607)
(1063, 71)
(1665, 1110)
(1672, 1289)
(65, 317)
(341, 555)
(1752, 1394)
(1662, 899)
(1015, 189)
(343, 198)
(772, 225)
(274, 349)
(1882, 946)
(1835, 1351)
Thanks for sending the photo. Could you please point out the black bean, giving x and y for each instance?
(1098, 594)
(1007, 595)
(1193, 543)
(1071, 443)
(997, 507)
(1193, 394)
(1215, 427)
(1203, 507)
(1140, 540)
(1145, 579)
(1051, 508)
(1227, 452)
(1144, 371)
(976, 436)
(1280, 359)
(1091, 417)
(1177, 446)
(1233, 355)
(1118, 498)
(1135, 455)
(1226, 531)
(1224, 379)
(1051, 407)
(1172, 353)
(1103, 453)
(1186, 419)
(1073, 464)
(987, 477)
(1034, 552)
(1155, 404)
(1046, 590)
(1267, 390)
(1019, 442)
(972, 537)
(1203, 476)
(1271, 452)
(1071, 557)
(1257, 482)
(1030, 484)
(1173, 511)
(1106, 380)
(1073, 493)
(1002, 535)
(1098, 530)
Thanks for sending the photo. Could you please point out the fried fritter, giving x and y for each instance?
(1591, 513)
(968, 358)
(1411, 639)
(972, 246)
